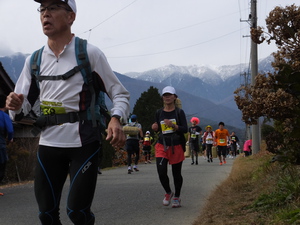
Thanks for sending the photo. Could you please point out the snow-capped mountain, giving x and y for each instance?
(208, 74)
(216, 84)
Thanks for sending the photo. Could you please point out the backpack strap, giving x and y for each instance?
(35, 62)
(65, 76)
(83, 66)
(35, 68)
(83, 59)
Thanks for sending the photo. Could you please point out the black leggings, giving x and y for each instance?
(54, 165)
(209, 151)
(194, 150)
(162, 169)
(133, 148)
(233, 149)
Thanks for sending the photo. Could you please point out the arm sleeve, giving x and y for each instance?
(22, 87)
(182, 127)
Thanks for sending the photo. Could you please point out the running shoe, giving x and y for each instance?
(145, 162)
(167, 199)
(208, 160)
(211, 159)
(176, 203)
(221, 163)
(192, 163)
(196, 162)
(129, 170)
(135, 168)
(224, 161)
(1, 194)
(149, 161)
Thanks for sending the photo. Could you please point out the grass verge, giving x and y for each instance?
(257, 192)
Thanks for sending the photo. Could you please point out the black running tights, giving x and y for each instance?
(209, 151)
(162, 169)
(132, 147)
(53, 167)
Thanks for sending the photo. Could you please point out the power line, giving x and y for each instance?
(171, 31)
(110, 16)
(177, 49)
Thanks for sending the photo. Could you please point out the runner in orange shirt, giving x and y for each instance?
(221, 139)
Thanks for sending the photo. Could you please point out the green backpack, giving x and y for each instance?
(97, 111)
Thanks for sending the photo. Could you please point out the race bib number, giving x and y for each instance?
(50, 108)
(209, 140)
(222, 141)
(166, 129)
(193, 136)
(146, 139)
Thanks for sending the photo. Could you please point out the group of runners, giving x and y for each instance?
(224, 142)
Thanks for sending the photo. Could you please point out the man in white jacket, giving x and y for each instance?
(72, 146)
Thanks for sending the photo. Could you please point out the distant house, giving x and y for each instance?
(23, 127)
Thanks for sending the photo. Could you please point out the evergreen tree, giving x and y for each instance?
(146, 106)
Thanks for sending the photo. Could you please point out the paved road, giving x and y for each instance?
(123, 198)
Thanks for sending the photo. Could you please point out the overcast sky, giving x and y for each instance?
(138, 35)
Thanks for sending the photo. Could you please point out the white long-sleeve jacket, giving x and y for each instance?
(66, 95)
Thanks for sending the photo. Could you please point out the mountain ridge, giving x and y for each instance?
(223, 72)
(214, 83)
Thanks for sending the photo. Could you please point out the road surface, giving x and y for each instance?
(123, 198)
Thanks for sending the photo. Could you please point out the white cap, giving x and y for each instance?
(169, 90)
(147, 132)
(71, 3)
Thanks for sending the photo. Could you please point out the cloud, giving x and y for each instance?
(138, 35)
(5, 50)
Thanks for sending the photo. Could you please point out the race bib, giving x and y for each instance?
(147, 139)
(193, 136)
(166, 129)
(50, 108)
(222, 141)
(209, 140)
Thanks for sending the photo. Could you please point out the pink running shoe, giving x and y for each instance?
(167, 199)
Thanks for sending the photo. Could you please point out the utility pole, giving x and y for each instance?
(246, 83)
(254, 71)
